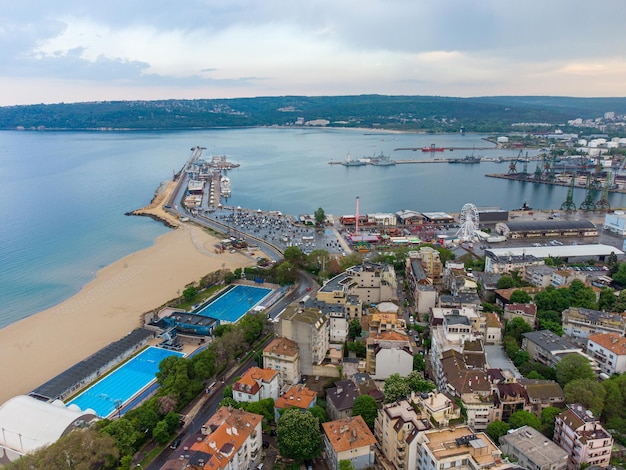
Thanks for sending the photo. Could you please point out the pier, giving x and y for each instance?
(580, 182)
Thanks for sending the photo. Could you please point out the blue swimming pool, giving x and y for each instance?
(110, 393)
(234, 302)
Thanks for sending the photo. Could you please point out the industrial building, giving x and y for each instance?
(547, 229)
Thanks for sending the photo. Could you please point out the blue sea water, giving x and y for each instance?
(64, 194)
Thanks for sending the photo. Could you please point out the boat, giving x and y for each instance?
(466, 159)
(432, 148)
(382, 160)
(225, 186)
(349, 162)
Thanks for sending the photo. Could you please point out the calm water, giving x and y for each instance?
(64, 194)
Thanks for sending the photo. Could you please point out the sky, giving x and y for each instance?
(77, 50)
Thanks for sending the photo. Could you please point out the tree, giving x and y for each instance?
(524, 418)
(516, 329)
(573, 367)
(345, 465)
(496, 429)
(620, 274)
(294, 255)
(299, 437)
(588, 392)
(548, 417)
(396, 388)
(190, 292)
(161, 433)
(520, 297)
(286, 273)
(505, 282)
(354, 329)
(319, 216)
(320, 413)
(418, 363)
(365, 407)
(416, 382)
(124, 434)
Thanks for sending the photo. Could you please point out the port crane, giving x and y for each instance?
(513, 164)
(569, 205)
(588, 204)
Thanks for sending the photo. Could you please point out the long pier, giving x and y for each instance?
(581, 184)
(456, 160)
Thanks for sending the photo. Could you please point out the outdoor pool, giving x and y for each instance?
(113, 391)
(234, 302)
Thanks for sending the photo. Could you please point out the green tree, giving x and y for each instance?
(620, 274)
(607, 299)
(320, 217)
(354, 329)
(299, 437)
(524, 418)
(573, 367)
(396, 388)
(124, 434)
(365, 407)
(548, 417)
(496, 429)
(516, 329)
(190, 292)
(418, 363)
(416, 382)
(286, 273)
(294, 255)
(520, 297)
(320, 413)
(161, 433)
(505, 282)
(588, 392)
(345, 465)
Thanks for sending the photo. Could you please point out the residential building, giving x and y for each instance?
(256, 384)
(376, 323)
(309, 328)
(503, 296)
(531, 449)
(338, 328)
(539, 276)
(509, 398)
(438, 407)
(371, 283)
(547, 347)
(493, 328)
(488, 285)
(609, 351)
(508, 263)
(388, 353)
(542, 394)
(564, 277)
(580, 434)
(425, 298)
(283, 356)
(340, 399)
(349, 439)
(457, 447)
(297, 396)
(579, 323)
(231, 439)
(396, 428)
(431, 263)
(527, 312)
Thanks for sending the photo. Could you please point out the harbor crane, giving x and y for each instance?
(569, 205)
(588, 203)
(513, 164)
(603, 202)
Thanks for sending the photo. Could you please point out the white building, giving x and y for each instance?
(349, 439)
(257, 384)
(531, 449)
(615, 222)
(609, 351)
(388, 353)
(283, 356)
(339, 326)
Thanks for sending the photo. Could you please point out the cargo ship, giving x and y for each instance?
(432, 148)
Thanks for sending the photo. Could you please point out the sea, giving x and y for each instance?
(64, 194)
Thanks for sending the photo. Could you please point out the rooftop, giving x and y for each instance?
(297, 396)
(549, 341)
(563, 251)
(282, 346)
(348, 433)
(538, 448)
(461, 441)
(611, 341)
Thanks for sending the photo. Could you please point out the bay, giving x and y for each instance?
(64, 194)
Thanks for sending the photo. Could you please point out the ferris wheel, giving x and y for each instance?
(469, 223)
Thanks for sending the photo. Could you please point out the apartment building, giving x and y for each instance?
(283, 356)
(531, 449)
(349, 439)
(388, 353)
(609, 351)
(256, 384)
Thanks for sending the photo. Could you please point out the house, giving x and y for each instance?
(580, 434)
(371, 283)
(527, 312)
(438, 407)
(493, 328)
(540, 275)
(443, 448)
(609, 351)
(340, 399)
(579, 323)
(230, 439)
(309, 328)
(388, 353)
(531, 449)
(542, 394)
(297, 396)
(256, 384)
(348, 439)
(547, 347)
(509, 398)
(396, 428)
(283, 356)
(425, 298)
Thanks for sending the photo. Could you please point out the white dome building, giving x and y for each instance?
(27, 424)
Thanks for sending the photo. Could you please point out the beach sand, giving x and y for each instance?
(39, 347)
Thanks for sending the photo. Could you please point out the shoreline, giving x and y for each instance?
(39, 347)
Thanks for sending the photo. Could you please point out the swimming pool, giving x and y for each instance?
(110, 393)
(234, 302)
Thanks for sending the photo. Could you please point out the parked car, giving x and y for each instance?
(175, 443)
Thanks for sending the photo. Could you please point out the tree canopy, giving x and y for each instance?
(524, 418)
(299, 437)
(573, 367)
(365, 407)
(588, 392)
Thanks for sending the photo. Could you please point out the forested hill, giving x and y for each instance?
(426, 113)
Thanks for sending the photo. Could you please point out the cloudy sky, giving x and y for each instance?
(78, 50)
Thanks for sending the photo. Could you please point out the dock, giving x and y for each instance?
(580, 182)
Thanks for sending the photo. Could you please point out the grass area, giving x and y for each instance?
(200, 297)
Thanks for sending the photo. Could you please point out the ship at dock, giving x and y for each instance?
(382, 160)
(432, 148)
(349, 162)
(467, 159)
(225, 188)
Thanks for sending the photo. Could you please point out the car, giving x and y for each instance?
(266, 444)
(175, 443)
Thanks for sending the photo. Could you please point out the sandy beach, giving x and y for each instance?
(41, 346)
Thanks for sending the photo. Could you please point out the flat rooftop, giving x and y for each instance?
(561, 251)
